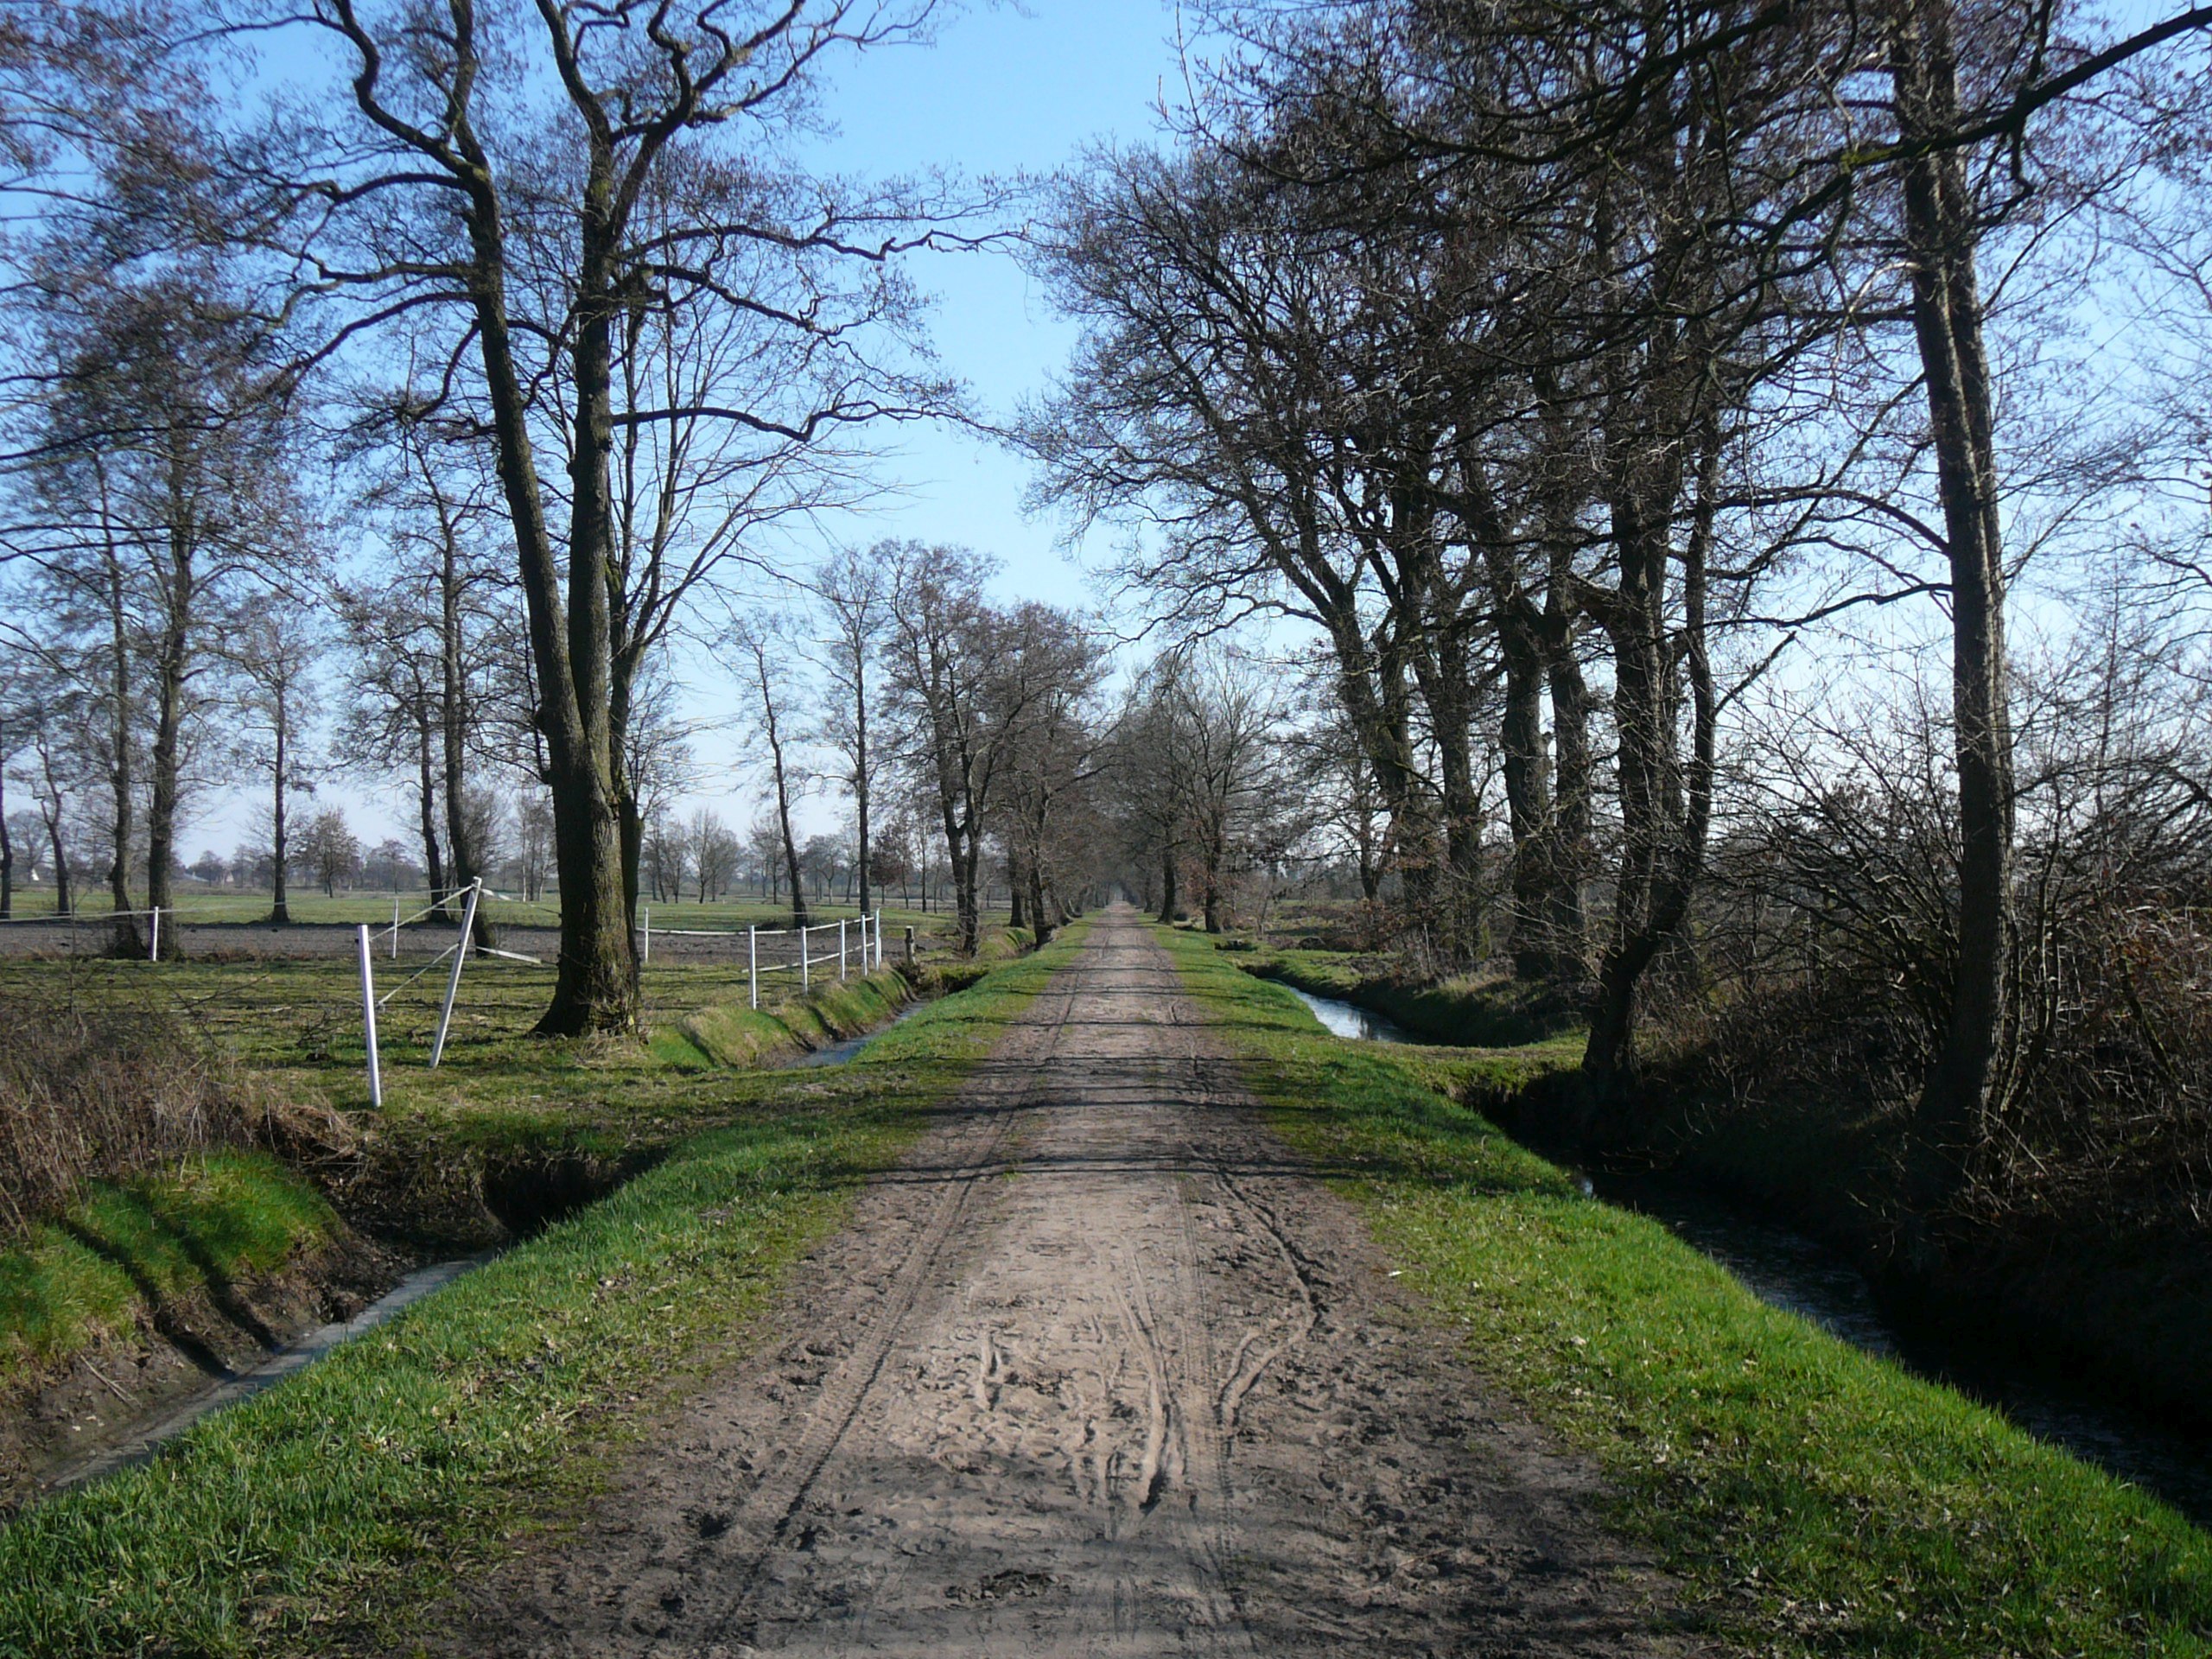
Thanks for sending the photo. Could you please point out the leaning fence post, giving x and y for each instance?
(369, 1017)
(753, 963)
(395, 924)
(153, 939)
(453, 980)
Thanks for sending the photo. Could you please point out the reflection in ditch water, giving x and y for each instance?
(1349, 1020)
(1789, 1270)
(838, 1052)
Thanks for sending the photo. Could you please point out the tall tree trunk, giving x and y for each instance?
(172, 670)
(1567, 845)
(7, 853)
(966, 874)
(1038, 918)
(121, 783)
(279, 908)
(595, 988)
(1527, 773)
(64, 903)
(1940, 237)
(1166, 882)
(426, 801)
(1665, 807)
(860, 767)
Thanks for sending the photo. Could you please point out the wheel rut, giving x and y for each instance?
(1097, 1370)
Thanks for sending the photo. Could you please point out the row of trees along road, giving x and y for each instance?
(551, 285)
(1559, 370)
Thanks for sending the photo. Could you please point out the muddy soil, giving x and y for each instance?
(1097, 1370)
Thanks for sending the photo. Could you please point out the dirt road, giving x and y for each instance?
(1097, 1370)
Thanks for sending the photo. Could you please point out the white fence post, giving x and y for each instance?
(154, 940)
(647, 959)
(395, 926)
(841, 947)
(368, 1018)
(453, 980)
(805, 967)
(879, 938)
(753, 963)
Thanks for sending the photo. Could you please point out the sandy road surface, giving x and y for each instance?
(1096, 1370)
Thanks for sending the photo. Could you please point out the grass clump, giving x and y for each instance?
(99, 1086)
(322, 1512)
(1814, 1499)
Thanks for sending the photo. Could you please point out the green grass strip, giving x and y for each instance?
(318, 1512)
(1812, 1499)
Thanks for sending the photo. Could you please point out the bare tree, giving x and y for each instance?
(273, 647)
(767, 656)
(854, 590)
(546, 239)
(940, 661)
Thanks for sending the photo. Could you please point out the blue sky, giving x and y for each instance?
(1004, 91)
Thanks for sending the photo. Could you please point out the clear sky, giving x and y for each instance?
(1005, 91)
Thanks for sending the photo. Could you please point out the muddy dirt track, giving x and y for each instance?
(1096, 1370)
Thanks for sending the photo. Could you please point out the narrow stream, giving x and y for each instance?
(838, 1053)
(1349, 1020)
(1789, 1270)
(148, 1437)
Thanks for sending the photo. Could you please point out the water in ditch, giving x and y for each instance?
(1349, 1020)
(838, 1052)
(148, 1438)
(1789, 1270)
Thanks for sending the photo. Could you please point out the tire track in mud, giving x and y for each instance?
(1095, 1371)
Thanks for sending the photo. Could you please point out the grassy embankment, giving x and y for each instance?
(322, 1511)
(503, 1104)
(1814, 1500)
(2069, 1269)
(221, 1217)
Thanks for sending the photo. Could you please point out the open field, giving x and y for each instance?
(373, 906)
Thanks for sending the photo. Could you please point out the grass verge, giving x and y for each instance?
(322, 1511)
(1814, 1500)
